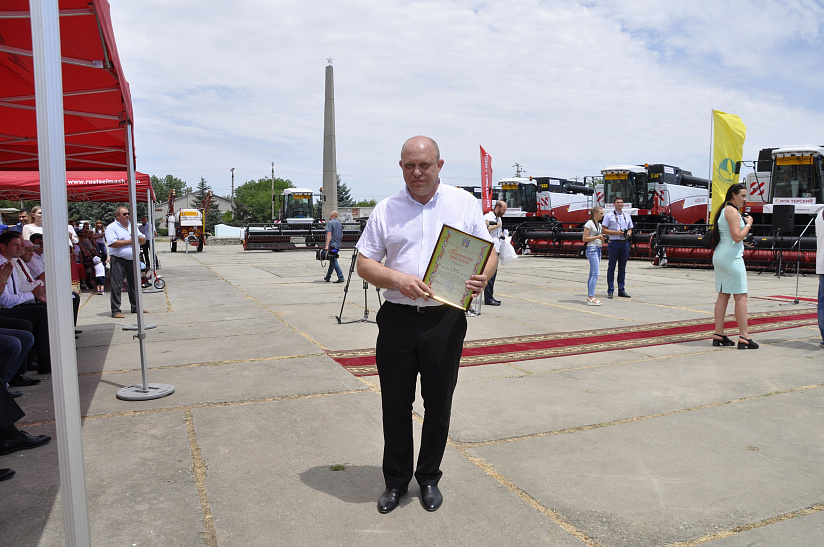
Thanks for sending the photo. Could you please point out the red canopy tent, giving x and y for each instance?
(80, 185)
(96, 99)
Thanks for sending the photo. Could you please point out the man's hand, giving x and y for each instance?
(39, 293)
(6, 270)
(477, 283)
(412, 287)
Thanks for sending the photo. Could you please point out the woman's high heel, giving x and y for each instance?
(723, 342)
(748, 345)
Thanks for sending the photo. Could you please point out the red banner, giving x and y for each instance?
(486, 180)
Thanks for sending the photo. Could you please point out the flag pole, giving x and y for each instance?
(709, 201)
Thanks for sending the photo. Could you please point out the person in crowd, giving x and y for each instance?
(37, 264)
(88, 251)
(819, 269)
(100, 239)
(119, 241)
(35, 225)
(594, 238)
(29, 306)
(618, 226)
(494, 225)
(11, 438)
(28, 281)
(149, 233)
(729, 228)
(99, 275)
(16, 340)
(22, 220)
(334, 235)
(416, 334)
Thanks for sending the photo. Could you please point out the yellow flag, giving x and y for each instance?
(727, 149)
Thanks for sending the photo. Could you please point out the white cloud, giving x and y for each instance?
(563, 88)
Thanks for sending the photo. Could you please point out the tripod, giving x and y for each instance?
(365, 318)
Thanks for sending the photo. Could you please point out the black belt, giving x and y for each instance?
(440, 308)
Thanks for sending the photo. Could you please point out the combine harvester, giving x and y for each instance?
(295, 225)
(653, 194)
(786, 191)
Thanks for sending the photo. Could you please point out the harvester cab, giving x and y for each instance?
(628, 182)
(520, 196)
(797, 179)
(297, 206)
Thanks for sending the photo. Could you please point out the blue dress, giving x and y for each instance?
(728, 261)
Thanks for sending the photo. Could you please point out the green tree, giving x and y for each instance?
(163, 186)
(344, 198)
(365, 203)
(213, 214)
(253, 200)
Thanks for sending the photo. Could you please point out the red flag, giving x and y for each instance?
(486, 180)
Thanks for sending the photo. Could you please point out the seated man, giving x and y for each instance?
(27, 305)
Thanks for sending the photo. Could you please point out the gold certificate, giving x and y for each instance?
(457, 257)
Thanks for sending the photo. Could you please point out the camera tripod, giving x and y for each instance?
(365, 318)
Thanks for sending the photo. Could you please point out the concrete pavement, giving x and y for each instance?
(268, 441)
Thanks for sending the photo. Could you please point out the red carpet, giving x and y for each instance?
(539, 346)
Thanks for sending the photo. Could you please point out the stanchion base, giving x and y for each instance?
(145, 326)
(151, 290)
(136, 393)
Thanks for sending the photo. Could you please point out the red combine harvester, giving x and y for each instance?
(786, 191)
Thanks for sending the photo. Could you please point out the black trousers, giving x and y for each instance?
(38, 317)
(10, 412)
(411, 342)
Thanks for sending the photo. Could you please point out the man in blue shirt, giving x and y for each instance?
(618, 226)
(334, 235)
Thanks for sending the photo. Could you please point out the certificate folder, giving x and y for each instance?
(457, 257)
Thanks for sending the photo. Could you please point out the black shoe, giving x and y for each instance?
(724, 341)
(431, 497)
(609, 295)
(15, 394)
(20, 380)
(492, 302)
(339, 281)
(6, 474)
(326, 279)
(746, 344)
(22, 442)
(390, 499)
(624, 294)
(78, 331)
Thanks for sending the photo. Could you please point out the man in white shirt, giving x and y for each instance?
(494, 224)
(618, 226)
(416, 334)
(119, 240)
(37, 265)
(819, 269)
(26, 305)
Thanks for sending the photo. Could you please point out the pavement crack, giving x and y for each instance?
(199, 469)
(812, 509)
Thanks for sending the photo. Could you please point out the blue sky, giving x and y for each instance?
(563, 88)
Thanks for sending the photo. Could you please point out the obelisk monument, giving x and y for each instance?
(330, 169)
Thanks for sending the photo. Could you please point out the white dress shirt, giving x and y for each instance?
(405, 231)
(12, 295)
(115, 232)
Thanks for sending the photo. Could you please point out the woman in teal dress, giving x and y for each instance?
(729, 228)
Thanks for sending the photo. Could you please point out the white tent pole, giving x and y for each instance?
(45, 30)
(146, 391)
(141, 332)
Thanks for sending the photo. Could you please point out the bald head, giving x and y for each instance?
(333, 214)
(421, 143)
